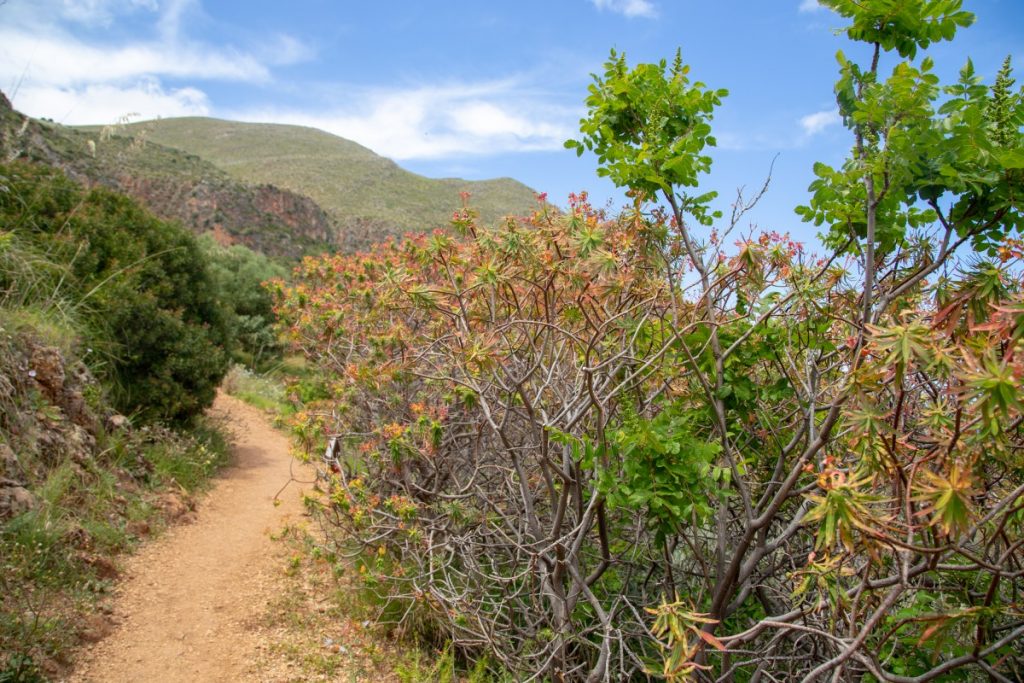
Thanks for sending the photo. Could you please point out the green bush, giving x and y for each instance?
(149, 309)
(238, 274)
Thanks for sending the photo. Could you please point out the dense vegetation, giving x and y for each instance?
(238, 274)
(105, 312)
(583, 447)
(140, 287)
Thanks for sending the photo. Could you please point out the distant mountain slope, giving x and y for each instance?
(365, 193)
(174, 185)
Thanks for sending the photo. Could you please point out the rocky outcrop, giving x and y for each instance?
(45, 418)
(264, 218)
(15, 499)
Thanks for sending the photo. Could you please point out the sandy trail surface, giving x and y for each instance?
(190, 605)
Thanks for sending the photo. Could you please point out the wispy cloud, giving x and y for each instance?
(811, 6)
(171, 16)
(283, 50)
(106, 103)
(441, 121)
(629, 8)
(50, 70)
(90, 12)
(779, 134)
(812, 124)
(58, 58)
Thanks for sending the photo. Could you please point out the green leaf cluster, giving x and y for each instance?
(902, 25)
(663, 467)
(649, 127)
(921, 148)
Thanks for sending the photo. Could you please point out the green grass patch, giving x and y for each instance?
(189, 462)
(265, 391)
(53, 322)
(280, 390)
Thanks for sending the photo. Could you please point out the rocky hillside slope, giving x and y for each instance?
(174, 185)
(368, 196)
(79, 486)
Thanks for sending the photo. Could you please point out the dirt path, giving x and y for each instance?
(190, 605)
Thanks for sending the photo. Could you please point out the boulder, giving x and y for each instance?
(176, 507)
(80, 444)
(15, 499)
(117, 422)
(103, 566)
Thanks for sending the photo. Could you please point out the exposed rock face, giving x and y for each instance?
(46, 367)
(61, 382)
(264, 218)
(300, 213)
(8, 461)
(44, 416)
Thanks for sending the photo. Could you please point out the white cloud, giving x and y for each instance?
(434, 122)
(485, 119)
(811, 6)
(812, 124)
(283, 50)
(171, 15)
(49, 69)
(60, 59)
(105, 103)
(630, 8)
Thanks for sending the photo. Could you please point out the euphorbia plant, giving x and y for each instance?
(803, 466)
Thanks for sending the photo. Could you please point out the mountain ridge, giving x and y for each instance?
(281, 189)
(369, 196)
(174, 186)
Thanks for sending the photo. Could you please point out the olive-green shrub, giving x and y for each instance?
(138, 287)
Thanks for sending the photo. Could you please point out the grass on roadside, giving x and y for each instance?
(281, 390)
(264, 391)
(59, 558)
(312, 632)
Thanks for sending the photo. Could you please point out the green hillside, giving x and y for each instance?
(365, 193)
(174, 185)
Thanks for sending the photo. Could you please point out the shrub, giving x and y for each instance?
(148, 306)
(601, 449)
(238, 274)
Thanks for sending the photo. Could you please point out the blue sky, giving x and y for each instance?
(461, 88)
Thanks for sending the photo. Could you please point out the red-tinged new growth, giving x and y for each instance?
(586, 447)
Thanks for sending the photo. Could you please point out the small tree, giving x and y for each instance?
(875, 367)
